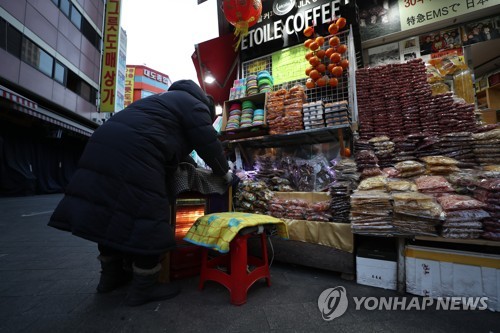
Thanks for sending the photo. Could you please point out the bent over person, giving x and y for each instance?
(120, 194)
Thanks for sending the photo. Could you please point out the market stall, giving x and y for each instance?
(354, 155)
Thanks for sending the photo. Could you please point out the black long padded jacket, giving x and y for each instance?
(120, 196)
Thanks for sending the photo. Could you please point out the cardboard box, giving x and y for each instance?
(436, 273)
(260, 101)
(376, 268)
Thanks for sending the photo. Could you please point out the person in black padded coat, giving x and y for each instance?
(120, 194)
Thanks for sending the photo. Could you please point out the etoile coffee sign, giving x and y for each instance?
(282, 22)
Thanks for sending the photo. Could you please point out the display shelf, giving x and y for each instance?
(459, 241)
(489, 98)
(259, 100)
(305, 137)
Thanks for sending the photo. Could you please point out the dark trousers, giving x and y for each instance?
(140, 261)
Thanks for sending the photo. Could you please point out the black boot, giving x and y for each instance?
(145, 287)
(113, 274)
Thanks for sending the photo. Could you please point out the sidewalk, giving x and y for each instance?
(48, 279)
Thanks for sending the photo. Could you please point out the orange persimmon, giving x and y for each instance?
(334, 41)
(333, 29)
(341, 22)
(308, 31)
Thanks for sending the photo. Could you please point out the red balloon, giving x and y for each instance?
(242, 12)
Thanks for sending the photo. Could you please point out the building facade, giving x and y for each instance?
(142, 81)
(50, 55)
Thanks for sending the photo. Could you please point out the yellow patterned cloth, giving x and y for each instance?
(217, 230)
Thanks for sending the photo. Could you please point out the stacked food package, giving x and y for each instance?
(440, 165)
(275, 108)
(488, 191)
(459, 146)
(347, 179)
(294, 102)
(487, 147)
(296, 209)
(336, 114)
(367, 163)
(284, 110)
(383, 149)
(413, 109)
(434, 185)
(463, 216)
(371, 212)
(252, 197)
(416, 213)
(314, 115)
(407, 169)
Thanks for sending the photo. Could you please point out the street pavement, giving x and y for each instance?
(48, 279)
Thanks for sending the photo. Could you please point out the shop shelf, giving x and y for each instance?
(478, 241)
(259, 100)
(489, 97)
(305, 137)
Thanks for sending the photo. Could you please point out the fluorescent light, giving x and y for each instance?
(209, 78)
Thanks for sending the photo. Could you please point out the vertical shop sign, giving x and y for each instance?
(110, 56)
(121, 69)
(417, 13)
(129, 86)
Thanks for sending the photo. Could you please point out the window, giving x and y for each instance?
(65, 7)
(14, 39)
(76, 17)
(93, 96)
(91, 35)
(36, 57)
(46, 63)
(85, 90)
(60, 73)
(3, 33)
(72, 81)
(56, 2)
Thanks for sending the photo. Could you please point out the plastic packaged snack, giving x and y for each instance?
(372, 183)
(401, 186)
(467, 215)
(433, 75)
(464, 85)
(459, 202)
(439, 160)
(406, 166)
(490, 135)
(439, 88)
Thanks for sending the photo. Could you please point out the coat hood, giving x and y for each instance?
(193, 89)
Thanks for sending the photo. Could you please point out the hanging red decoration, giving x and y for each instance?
(242, 14)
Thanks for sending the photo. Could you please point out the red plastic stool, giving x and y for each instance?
(238, 280)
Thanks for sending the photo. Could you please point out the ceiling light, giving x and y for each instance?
(209, 78)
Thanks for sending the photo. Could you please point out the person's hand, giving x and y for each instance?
(228, 177)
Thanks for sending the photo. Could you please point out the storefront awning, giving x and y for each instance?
(27, 106)
(218, 57)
